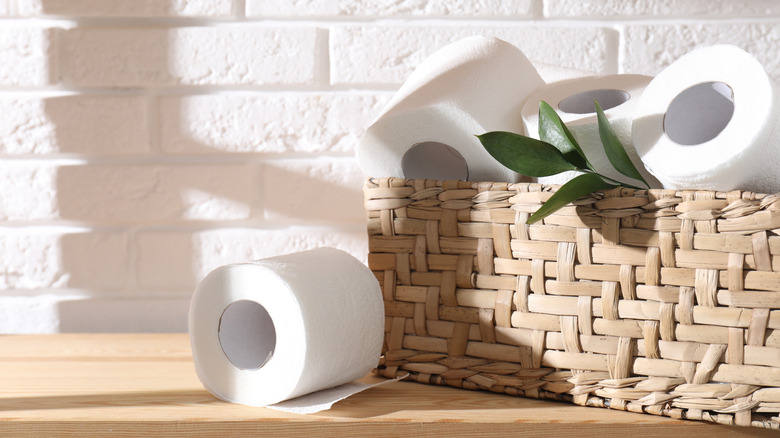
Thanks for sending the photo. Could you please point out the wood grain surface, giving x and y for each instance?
(145, 385)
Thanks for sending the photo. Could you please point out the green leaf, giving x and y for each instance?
(553, 131)
(525, 155)
(614, 149)
(576, 188)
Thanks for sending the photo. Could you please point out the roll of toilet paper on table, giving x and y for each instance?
(279, 328)
(710, 121)
(573, 99)
(428, 129)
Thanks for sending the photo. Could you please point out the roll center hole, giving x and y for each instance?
(699, 113)
(247, 334)
(434, 160)
(582, 103)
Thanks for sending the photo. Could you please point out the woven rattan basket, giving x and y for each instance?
(658, 301)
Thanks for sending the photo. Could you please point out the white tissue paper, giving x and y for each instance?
(573, 99)
(284, 327)
(710, 121)
(428, 129)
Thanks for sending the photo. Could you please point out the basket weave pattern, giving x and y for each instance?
(654, 301)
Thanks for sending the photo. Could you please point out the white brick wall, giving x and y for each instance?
(356, 60)
(270, 122)
(151, 57)
(27, 56)
(148, 193)
(379, 9)
(73, 124)
(127, 8)
(144, 142)
(178, 259)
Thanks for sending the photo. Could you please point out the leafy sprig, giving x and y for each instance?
(558, 151)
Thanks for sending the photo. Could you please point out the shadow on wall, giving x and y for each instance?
(102, 9)
(126, 200)
(331, 194)
(147, 194)
(86, 124)
(124, 315)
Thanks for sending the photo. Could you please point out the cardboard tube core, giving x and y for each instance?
(699, 113)
(247, 334)
(582, 103)
(434, 160)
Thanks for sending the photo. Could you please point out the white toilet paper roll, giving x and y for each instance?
(709, 121)
(470, 87)
(573, 99)
(279, 328)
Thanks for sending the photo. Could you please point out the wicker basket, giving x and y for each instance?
(656, 301)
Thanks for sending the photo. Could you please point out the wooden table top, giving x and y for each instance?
(145, 385)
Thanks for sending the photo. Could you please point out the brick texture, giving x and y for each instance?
(26, 56)
(267, 122)
(124, 314)
(30, 314)
(301, 191)
(356, 60)
(144, 143)
(413, 8)
(100, 125)
(28, 192)
(146, 193)
(153, 57)
(54, 258)
(171, 260)
(656, 8)
(128, 8)
(648, 49)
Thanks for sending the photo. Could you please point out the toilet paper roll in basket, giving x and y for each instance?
(573, 99)
(428, 129)
(275, 329)
(710, 121)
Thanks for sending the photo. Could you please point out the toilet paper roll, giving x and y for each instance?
(573, 99)
(428, 129)
(709, 121)
(275, 329)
